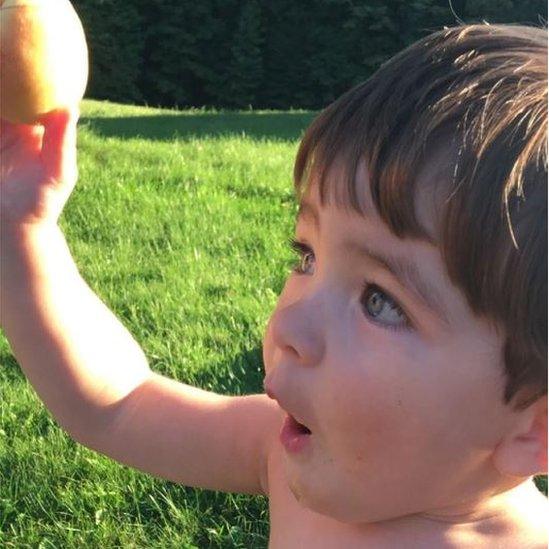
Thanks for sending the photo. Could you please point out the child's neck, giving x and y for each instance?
(518, 512)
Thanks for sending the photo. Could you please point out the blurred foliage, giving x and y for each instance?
(259, 53)
(113, 31)
(541, 482)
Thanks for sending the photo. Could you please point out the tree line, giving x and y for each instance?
(276, 54)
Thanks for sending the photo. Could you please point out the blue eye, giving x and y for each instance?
(306, 259)
(382, 308)
(378, 306)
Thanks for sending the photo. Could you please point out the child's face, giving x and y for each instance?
(399, 383)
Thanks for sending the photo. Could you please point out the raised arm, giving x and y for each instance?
(85, 366)
(77, 355)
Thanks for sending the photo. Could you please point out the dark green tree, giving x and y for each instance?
(245, 71)
(504, 11)
(235, 53)
(114, 32)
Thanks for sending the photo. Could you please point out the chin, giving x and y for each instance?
(336, 506)
(318, 501)
(301, 493)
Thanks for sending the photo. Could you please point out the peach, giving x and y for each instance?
(43, 58)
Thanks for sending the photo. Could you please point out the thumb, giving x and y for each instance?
(59, 145)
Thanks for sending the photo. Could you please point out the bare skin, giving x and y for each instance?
(519, 523)
(410, 445)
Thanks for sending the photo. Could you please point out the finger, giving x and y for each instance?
(59, 144)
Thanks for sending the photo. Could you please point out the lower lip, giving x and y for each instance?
(293, 440)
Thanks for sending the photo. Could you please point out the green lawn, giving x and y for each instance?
(179, 222)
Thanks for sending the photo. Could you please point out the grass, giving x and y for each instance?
(179, 223)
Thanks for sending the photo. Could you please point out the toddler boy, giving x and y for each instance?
(406, 381)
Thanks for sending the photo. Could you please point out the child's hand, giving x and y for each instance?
(38, 169)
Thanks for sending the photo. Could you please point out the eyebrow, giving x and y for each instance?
(405, 271)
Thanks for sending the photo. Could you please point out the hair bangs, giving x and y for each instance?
(351, 131)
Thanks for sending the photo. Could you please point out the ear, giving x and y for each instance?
(523, 451)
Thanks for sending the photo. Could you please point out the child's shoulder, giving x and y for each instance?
(531, 521)
(524, 526)
(522, 522)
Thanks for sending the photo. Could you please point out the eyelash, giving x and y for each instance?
(302, 249)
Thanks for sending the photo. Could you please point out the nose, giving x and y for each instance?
(296, 330)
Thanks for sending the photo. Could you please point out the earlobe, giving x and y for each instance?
(523, 452)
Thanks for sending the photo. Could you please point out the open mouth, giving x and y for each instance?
(294, 436)
(299, 428)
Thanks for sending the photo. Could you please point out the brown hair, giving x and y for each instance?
(478, 92)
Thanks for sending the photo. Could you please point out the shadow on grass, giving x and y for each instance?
(283, 126)
(232, 376)
(10, 370)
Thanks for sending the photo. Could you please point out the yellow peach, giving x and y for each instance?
(43, 58)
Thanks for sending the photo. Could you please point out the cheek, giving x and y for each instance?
(467, 391)
(365, 404)
(378, 398)
(392, 400)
